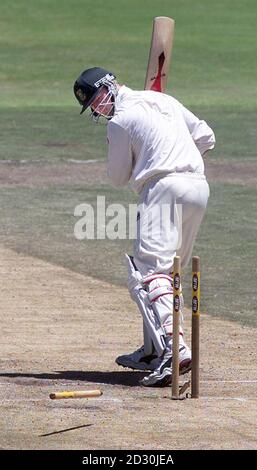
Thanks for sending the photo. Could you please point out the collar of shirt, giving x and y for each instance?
(122, 93)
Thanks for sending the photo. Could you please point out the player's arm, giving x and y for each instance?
(119, 155)
(202, 135)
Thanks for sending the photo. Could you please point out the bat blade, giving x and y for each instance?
(160, 54)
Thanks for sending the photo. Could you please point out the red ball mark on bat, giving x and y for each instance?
(157, 84)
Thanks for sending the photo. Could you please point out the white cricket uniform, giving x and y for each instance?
(156, 144)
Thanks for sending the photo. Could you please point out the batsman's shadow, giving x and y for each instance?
(126, 378)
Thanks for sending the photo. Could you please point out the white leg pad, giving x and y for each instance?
(160, 294)
(140, 296)
(148, 344)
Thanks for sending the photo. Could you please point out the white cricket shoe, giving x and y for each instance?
(138, 360)
(162, 376)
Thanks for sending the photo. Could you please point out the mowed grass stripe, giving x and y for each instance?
(40, 221)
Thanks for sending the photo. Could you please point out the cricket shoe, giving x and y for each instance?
(138, 360)
(162, 376)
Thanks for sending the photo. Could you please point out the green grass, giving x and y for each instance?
(53, 134)
(45, 44)
(227, 245)
(50, 135)
(41, 222)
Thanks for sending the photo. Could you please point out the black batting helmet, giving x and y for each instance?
(89, 83)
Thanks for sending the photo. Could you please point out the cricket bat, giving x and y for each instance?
(160, 54)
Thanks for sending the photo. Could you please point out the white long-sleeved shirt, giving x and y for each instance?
(152, 133)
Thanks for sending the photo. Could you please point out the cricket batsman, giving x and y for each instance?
(156, 145)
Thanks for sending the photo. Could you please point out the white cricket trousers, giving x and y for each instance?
(170, 211)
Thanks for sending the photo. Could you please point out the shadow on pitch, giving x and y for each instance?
(129, 379)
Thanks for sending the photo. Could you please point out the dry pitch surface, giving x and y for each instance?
(62, 331)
